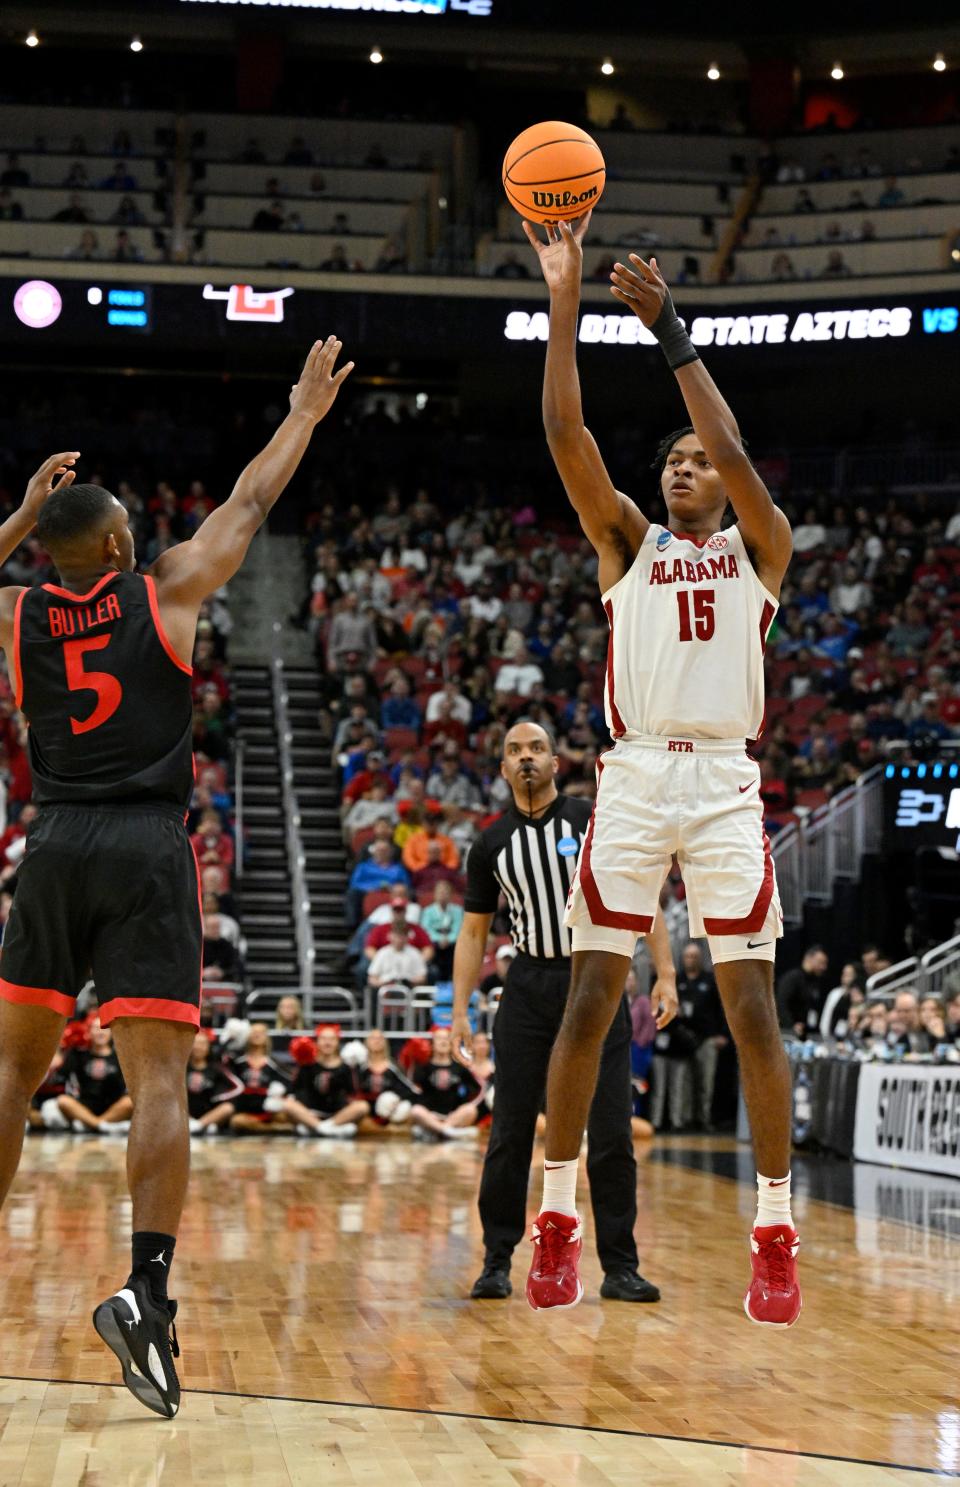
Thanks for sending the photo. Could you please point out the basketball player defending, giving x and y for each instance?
(689, 608)
(109, 885)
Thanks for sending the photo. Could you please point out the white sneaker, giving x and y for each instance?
(337, 1132)
(195, 1127)
(461, 1133)
(115, 1127)
(53, 1117)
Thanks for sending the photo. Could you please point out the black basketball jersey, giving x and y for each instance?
(106, 696)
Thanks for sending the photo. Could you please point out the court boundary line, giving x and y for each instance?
(403, 1409)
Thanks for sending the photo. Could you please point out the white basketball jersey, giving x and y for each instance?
(688, 626)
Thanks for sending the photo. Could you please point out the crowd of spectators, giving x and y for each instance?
(906, 1024)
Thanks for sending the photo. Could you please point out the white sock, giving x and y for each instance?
(773, 1201)
(560, 1187)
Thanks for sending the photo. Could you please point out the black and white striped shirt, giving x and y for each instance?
(532, 863)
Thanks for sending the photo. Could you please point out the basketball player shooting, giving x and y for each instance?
(689, 608)
(109, 885)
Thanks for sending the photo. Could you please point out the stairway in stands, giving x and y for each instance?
(266, 913)
(318, 796)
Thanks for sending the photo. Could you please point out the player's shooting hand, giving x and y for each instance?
(461, 1037)
(561, 256)
(43, 483)
(319, 384)
(665, 996)
(642, 289)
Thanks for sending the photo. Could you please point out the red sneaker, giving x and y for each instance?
(773, 1299)
(554, 1278)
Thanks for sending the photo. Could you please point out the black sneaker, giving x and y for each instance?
(492, 1284)
(627, 1285)
(141, 1333)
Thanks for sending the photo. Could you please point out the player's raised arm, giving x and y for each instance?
(765, 529)
(21, 522)
(192, 570)
(611, 521)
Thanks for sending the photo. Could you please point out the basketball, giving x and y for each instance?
(553, 172)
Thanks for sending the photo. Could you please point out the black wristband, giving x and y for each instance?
(675, 344)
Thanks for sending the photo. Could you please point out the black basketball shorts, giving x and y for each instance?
(109, 893)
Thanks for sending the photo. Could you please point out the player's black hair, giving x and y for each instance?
(71, 514)
(535, 723)
(666, 444)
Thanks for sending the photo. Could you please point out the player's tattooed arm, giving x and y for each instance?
(192, 570)
(613, 525)
(764, 528)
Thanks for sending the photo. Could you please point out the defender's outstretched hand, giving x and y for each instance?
(43, 485)
(561, 256)
(317, 389)
(643, 289)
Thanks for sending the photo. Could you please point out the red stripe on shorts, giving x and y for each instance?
(599, 914)
(144, 1006)
(618, 729)
(38, 996)
(751, 923)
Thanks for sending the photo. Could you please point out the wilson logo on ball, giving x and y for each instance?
(557, 200)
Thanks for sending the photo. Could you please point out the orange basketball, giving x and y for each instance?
(553, 172)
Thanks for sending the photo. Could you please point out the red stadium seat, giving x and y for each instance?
(398, 739)
(361, 839)
(374, 899)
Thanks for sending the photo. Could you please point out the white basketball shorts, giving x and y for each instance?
(700, 799)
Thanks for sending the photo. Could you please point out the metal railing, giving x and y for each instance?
(296, 858)
(935, 965)
(829, 844)
(886, 983)
(328, 1002)
(925, 974)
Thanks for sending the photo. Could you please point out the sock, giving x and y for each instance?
(773, 1201)
(560, 1187)
(152, 1258)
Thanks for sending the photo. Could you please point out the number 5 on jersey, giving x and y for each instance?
(704, 619)
(108, 690)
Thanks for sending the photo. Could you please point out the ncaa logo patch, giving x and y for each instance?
(568, 846)
(663, 540)
(717, 542)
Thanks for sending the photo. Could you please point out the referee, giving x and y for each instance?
(530, 855)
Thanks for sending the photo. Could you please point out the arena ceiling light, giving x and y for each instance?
(32, 39)
(713, 72)
(939, 63)
(136, 45)
(836, 72)
(607, 67)
(376, 55)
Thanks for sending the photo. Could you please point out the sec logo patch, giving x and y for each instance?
(717, 542)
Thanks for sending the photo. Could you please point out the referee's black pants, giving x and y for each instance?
(527, 1022)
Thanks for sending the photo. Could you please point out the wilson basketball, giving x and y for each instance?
(553, 172)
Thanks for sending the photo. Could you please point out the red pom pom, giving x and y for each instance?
(303, 1050)
(414, 1051)
(75, 1035)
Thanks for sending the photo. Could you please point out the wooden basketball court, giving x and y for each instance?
(327, 1335)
